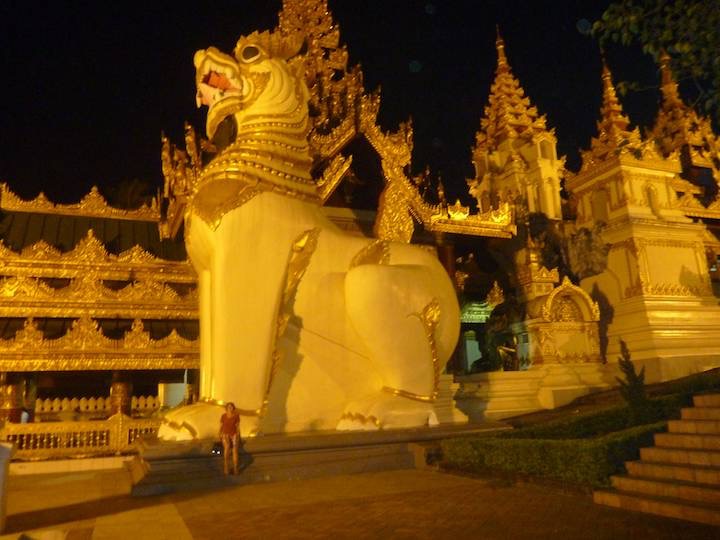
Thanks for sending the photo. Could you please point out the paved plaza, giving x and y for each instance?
(422, 504)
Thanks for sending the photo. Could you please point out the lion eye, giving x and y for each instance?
(249, 53)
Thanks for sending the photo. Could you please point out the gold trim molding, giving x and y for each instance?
(21, 295)
(91, 205)
(89, 255)
(84, 347)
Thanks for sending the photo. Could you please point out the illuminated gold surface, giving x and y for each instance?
(614, 138)
(84, 347)
(300, 255)
(89, 257)
(85, 294)
(340, 111)
(429, 317)
(515, 153)
(496, 296)
(376, 252)
(678, 126)
(91, 205)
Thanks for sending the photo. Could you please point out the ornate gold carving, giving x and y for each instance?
(91, 205)
(409, 395)
(496, 296)
(614, 139)
(300, 255)
(429, 317)
(567, 288)
(89, 257)
(84, 347)
(333, 173)
(376, 252)
(87, 295)
(679, 127)
(508, 114)
(338, 111)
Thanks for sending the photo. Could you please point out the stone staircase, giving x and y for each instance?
(680, 476)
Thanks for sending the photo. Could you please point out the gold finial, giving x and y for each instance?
(502, 63)
(612, 113)
(668, 86)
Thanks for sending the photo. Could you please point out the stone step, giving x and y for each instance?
(683, 456)
(172, 475)
(700, 413)
(706, 494)
(674, 471)
(662, 506)
(688, 440)
(694, 426)
(707, 400)
(707, 458)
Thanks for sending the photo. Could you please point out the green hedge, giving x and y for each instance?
(585, 461)
(603, 422)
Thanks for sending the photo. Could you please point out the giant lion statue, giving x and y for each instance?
(302, 326)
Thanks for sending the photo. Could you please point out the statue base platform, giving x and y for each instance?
(168, 467)
(503, 394)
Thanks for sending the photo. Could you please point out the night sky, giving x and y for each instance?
(87, 87)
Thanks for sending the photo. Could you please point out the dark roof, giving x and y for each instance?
(21, 229)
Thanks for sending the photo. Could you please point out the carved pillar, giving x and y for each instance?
(11, 401)
(120, 395)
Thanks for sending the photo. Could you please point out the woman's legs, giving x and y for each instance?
(235, 443)
(226, 442)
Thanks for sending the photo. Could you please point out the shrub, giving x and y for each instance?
(588, 462)
(603, 422)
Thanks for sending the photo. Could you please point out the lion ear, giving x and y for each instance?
(296, 65)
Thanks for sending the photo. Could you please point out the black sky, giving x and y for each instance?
(88, 86)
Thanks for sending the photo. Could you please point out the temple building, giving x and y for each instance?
(91, 298)
(655, 281)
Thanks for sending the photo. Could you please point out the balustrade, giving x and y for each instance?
(45, 440)
(93, 404)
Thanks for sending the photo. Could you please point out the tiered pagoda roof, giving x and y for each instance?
(509, 114)
(678, 125)
(614, 136)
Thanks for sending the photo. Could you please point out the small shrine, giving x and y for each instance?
(561, 321)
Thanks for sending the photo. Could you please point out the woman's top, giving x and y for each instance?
(229, 424)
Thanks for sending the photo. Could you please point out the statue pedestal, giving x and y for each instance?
(445, 406)
(562, 383)
(502, 394)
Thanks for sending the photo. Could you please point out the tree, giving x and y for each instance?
(688, 30)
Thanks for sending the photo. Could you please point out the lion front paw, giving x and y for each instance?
(386, 412)
(200, 421)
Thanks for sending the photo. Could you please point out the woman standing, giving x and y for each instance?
(230, 436)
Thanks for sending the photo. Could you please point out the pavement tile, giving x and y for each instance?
(392, 504)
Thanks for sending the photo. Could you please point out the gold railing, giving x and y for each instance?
(45, 440)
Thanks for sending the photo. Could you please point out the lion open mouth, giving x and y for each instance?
(216, 74)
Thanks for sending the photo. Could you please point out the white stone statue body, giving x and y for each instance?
(302, 326)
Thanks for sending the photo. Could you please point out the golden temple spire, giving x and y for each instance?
(509, 114)
(613, 121)
(613, 133)
(678, 126)
(668, 86)
(502, 63)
